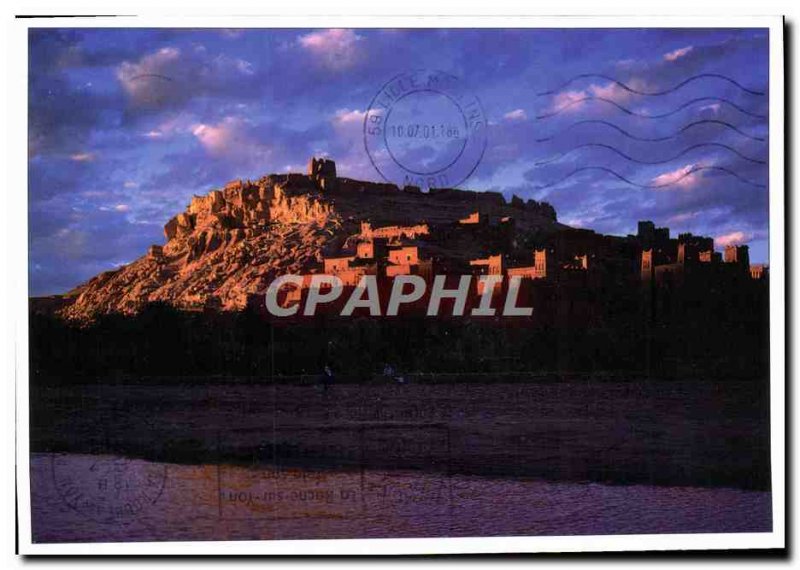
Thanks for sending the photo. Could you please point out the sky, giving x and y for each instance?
(126, 125)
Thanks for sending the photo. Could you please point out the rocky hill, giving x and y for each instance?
(231, 243)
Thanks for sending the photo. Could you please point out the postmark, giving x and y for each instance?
(388, 469)
(105, 485)
(425, 128)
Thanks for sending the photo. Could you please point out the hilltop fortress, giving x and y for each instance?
(226, 248)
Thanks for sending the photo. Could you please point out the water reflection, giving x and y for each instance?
(222, 502)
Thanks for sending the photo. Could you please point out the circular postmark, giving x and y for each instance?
(104, 485)
(425, 129)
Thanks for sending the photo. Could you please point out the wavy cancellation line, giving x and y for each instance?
(655, 139)
(630, 89)
(648, 116)
(649, 162)
(151, 75)
(686, 174)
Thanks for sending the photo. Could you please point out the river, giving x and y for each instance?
(77, 497)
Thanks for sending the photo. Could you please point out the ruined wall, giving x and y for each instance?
(247, 205)
(394, 232)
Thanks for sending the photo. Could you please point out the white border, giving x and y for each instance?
(17, 83)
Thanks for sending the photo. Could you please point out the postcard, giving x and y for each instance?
(400, 285)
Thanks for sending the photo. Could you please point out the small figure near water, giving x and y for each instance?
(326, 378)
(390, 372)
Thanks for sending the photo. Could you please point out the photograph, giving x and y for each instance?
(288, 285)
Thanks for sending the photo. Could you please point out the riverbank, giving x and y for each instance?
(679, 433)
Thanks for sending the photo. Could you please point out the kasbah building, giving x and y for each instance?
(571, 259)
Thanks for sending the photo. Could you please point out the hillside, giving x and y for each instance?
(228, 245)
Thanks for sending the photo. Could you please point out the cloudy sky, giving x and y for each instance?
(126, 125)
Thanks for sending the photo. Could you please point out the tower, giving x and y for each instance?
(495, 265)
(739, 254)
(540, 263)
(323, 171)
(647, 265)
